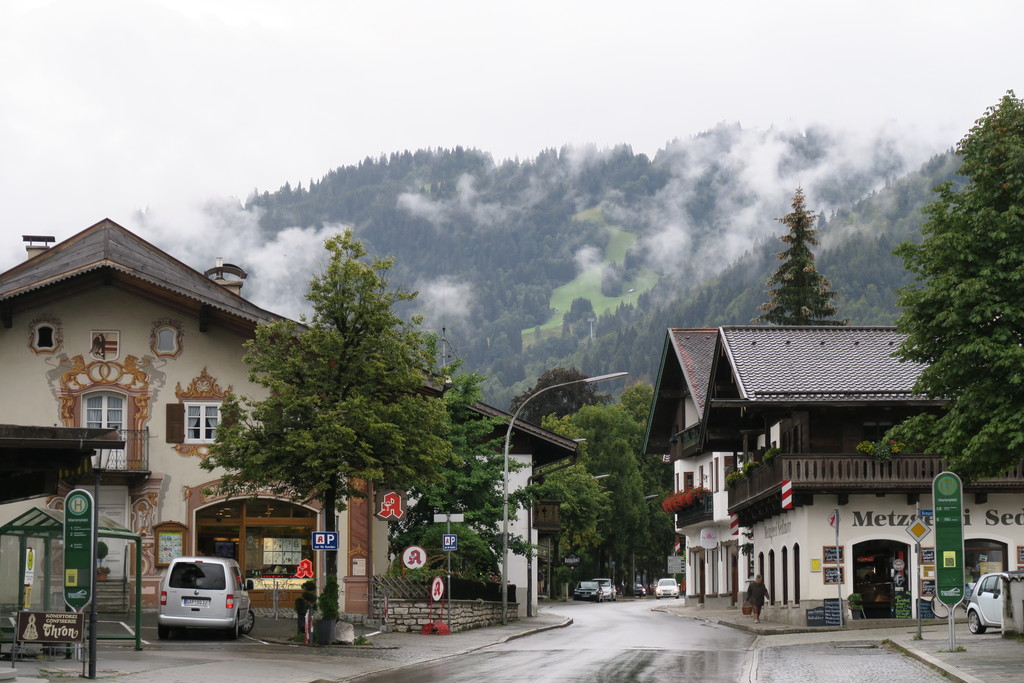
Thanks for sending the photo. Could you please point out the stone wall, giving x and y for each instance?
(411, 615)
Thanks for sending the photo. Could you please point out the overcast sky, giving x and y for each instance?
(111, 106)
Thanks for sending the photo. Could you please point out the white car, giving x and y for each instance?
(985, 606)
(666, 588)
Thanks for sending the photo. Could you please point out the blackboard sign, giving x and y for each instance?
(927, 555)
(816, 616)
(928, 587)
(1020, 557)
(924, 608)
(833, 612)
(833, 575)
(832, 554)
(902, 605)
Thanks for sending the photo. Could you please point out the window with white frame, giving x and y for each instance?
(201, 421)
(104, 411)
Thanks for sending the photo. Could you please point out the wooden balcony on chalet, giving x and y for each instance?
(757, 496)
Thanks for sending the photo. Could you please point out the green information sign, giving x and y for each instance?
(947, 495)
(79, 541)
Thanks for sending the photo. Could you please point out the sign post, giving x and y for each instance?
(451, 543)
(947, 500)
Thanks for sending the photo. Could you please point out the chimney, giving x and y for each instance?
(32, 247)
(219, 272)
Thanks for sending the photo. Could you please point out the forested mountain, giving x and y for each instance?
(583, 257)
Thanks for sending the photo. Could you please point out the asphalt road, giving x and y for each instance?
(613, 641)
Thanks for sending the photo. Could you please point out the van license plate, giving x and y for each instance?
(195, 602)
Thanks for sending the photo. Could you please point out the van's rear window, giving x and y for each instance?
(191, 575)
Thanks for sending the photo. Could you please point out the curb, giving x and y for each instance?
(947, 670)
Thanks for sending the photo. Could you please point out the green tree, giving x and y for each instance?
(964, 313)
(797, 293)
(562, 401)
(344, 398)
(469, 484)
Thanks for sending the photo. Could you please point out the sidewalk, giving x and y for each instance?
(987, 658)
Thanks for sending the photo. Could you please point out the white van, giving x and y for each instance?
(204, 593)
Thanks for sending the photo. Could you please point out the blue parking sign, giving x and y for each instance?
(450, 542)
(325, 540)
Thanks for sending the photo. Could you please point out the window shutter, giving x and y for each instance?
(175, 423)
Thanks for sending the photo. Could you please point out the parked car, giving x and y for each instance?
(639, 590)
(608, 589)
(666, 588)
(985, 605)
(204, 593)
(588, 590)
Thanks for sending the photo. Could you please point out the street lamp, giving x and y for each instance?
(504, 507)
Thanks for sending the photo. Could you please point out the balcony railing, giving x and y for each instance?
(848, 473)
(134, 457)
(703, 511)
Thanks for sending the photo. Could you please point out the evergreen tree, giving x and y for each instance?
(964, 315)
(797, 293)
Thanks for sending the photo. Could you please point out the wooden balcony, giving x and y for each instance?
(845, 473)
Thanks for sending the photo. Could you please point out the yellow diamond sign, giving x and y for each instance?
(918, 530)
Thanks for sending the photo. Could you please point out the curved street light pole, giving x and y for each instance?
(504, 507)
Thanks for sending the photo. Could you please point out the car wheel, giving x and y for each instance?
(657, 597)
(249, 623)
(234, 630)
(974, 623)
(163, 632)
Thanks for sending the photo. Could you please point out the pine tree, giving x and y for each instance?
(797, 293)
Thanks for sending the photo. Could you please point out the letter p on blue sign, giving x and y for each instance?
(325, 540)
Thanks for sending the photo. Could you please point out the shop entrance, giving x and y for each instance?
(880, 571)
(269, 538)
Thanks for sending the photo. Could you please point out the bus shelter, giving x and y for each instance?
(43, 531)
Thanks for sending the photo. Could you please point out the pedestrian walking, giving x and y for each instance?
(757, 592)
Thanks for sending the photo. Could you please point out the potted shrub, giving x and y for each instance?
(102, 550)
(856, 604)
(328, 604)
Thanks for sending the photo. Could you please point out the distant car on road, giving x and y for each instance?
(666, 588)
(588, 590)
(639, 590)
(985, 606)
(608, 588)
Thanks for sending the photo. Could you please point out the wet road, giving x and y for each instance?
(613, 641)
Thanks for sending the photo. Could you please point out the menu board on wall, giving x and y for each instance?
(927, 555)
(282, 551)
(1020, 557)
(832, 554)
(169, 545)
(833, 574)
(928, 587)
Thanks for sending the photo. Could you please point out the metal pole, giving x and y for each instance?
(917, 516)
(92, 607)
(504, 478)
(449, 574)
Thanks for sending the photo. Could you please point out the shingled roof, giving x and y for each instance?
(810, 364)
(695, 350)
(108, 254)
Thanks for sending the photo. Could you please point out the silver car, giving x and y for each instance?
(204, 593)
(608, 591)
